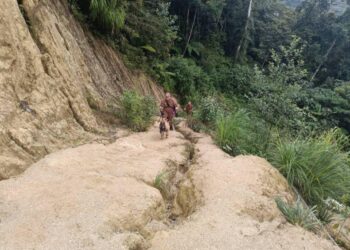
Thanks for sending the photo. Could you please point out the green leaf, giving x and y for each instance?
(149, 48)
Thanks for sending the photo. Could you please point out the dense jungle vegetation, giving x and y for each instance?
(265, 78)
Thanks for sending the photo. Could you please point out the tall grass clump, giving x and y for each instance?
(106, 15)
(136, 111)
(337, 137)
(110, 14)
(239, 133)
(318, 168)
(298, 215)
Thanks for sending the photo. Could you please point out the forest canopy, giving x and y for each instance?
(288, 65)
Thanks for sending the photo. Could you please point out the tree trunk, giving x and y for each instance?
(325, 58)
(191, 32)
(187, 21)
(249, 13)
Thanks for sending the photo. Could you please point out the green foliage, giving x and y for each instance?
(209, 109)
(337, 137)
(164, 76)
(289, 69)
(195, 48)
(239, 133)
(298, 215)
(149, 32)
(106, 16)
(187, 78)
(235, 80)
(331, 104)
(159, 180)
(76, 11)
(316, 167)
(273, 27)
(149, 48)
(289, 47)
(276, 103)
(278, 93)
(144, 31)
(109, 14)
(136, 111)
(345, 199)
(324, 214)
(320, 29)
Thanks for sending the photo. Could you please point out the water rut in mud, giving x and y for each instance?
(177, 188)
(180, 196)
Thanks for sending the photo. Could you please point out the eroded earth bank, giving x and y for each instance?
(53, 75)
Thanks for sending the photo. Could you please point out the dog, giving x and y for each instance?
(163, 128)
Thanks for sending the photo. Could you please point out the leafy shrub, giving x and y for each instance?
(277, 103)
(298, 215)
(105, 15)
(164, 76)
(187, 78)
(143, 31)
(136, 111)
(239, 133)
(148, 35)
(330, 103)
(208, 110)
(316, 168)
(233, 79)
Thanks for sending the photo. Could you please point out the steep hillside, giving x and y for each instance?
(52, 71)
(142, 192)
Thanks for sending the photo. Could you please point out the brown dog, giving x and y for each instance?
(164, 128)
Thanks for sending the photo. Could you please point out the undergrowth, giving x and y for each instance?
(316, 167)
(297, 214)
(239, 133)
(136, 111)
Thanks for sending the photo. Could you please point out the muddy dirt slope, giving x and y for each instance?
(141, 192)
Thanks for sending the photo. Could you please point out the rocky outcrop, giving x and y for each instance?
(52, 71)
(142, 192)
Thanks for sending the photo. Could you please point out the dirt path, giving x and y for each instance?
(107, 197)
